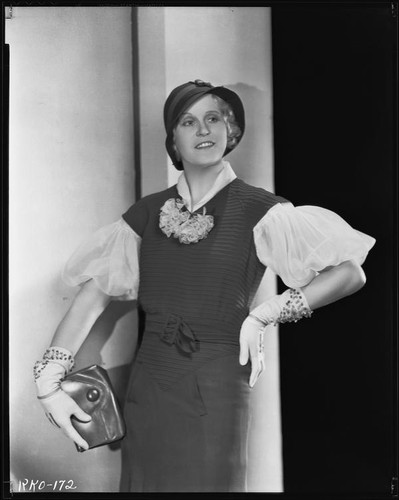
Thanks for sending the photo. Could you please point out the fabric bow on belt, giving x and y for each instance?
(176, 331)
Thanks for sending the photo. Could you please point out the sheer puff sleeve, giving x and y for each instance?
(297, 242)
(111, 258)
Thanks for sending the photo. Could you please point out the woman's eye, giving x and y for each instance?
(187, 123)
(213, 119)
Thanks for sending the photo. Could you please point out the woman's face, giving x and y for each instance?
(201, 134)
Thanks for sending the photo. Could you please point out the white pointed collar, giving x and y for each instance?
(225, 176)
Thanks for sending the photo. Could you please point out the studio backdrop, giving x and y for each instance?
(86, 139)
(335, 115)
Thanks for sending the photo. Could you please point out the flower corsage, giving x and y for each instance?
(176, 220)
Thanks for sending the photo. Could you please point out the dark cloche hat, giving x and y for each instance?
(183, 96)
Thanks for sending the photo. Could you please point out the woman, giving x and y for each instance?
(194, 255)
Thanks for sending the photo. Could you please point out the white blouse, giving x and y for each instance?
(297, 242)
(111, 258)
(294, 242)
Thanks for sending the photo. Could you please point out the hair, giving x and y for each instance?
(234, 131)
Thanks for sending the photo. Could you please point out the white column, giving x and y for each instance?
(227, 46)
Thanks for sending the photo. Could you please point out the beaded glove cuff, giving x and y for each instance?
(287, 307)
(295, 308)
(58, 355)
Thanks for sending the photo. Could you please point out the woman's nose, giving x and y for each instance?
(202, 129)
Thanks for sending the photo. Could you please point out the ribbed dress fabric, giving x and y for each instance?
(187, 403)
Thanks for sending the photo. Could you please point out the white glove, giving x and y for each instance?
(289, 306)
(251, 346)
(58, 406)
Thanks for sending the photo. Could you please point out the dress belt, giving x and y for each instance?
(172, 329)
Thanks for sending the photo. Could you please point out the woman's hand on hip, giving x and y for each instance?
(251, 347)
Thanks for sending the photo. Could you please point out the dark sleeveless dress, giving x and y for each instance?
(187, 404)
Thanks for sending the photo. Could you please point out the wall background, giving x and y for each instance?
(71, 171)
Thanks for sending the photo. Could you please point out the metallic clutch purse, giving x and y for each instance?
(92, 390)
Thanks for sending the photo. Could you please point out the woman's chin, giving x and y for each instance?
(203, 163)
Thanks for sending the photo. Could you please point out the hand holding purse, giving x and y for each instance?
(82, 404)
(59, 408)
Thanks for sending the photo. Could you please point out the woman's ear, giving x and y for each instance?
(231, 142)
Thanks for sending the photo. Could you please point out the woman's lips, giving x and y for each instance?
(204, 145)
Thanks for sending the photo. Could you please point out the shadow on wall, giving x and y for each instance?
(42, 453)
(90, 352)
(246, 157)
